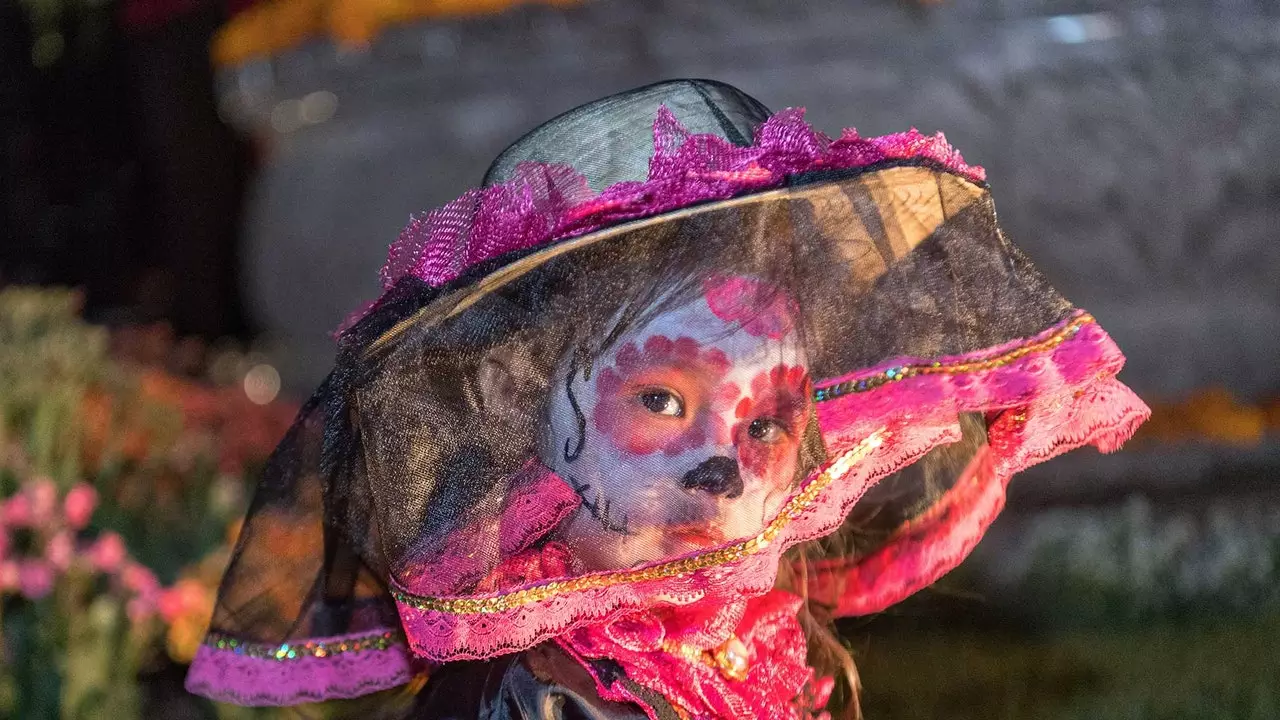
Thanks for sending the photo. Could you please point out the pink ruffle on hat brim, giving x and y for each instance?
(923, 550)
(1044, 396)
(545, 203)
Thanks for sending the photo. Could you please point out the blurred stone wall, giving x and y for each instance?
(1134, 148)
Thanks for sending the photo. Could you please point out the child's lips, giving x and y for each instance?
(699, 535)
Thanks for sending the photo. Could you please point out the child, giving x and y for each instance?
(633, 422)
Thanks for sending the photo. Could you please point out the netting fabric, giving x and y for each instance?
(603, 402)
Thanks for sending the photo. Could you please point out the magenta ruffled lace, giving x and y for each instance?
(545, 203)
(1103, 414)
(1056, 399)
(328, 668)
(443, 636)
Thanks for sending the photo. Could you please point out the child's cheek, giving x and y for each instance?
(773, 463)
(773, 394)
(724, 402)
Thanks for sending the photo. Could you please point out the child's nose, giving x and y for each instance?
(717, 475)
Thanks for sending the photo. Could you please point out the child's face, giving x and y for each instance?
(692, 427)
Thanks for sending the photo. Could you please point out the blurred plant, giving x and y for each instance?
(187, 606)
(58, 26)
(72, 599)
(114, 477)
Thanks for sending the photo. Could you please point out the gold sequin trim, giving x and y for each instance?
(306, 648)
(792, 510)
(894, 374)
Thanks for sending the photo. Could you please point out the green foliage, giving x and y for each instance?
(48, 358)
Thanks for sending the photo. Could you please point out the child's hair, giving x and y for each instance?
(894, 500)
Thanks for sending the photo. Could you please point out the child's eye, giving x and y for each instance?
(766, 430)
(662, 402)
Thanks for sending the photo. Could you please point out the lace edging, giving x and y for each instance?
(259, 679)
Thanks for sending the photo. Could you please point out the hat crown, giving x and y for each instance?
(611, 140)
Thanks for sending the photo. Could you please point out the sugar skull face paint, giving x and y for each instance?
(685, 433)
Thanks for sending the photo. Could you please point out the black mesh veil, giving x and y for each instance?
(402, 444)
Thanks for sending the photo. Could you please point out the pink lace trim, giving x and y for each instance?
(991, 379)
(1064, 410)
(227, 676)
(545, 203)
(917, 414)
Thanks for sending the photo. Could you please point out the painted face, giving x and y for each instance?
(687, 432)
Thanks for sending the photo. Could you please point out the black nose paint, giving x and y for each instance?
(717, 475)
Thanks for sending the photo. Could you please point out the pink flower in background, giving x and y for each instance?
(8, 575)
(146, 591)
(146, 588)
(4, 541)
(44, 498)
(60, 551)
(185, 597)
(16, 511)
(35, 579)
(79, 505)
(107, 553)
(140, 609)
(139, 579)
